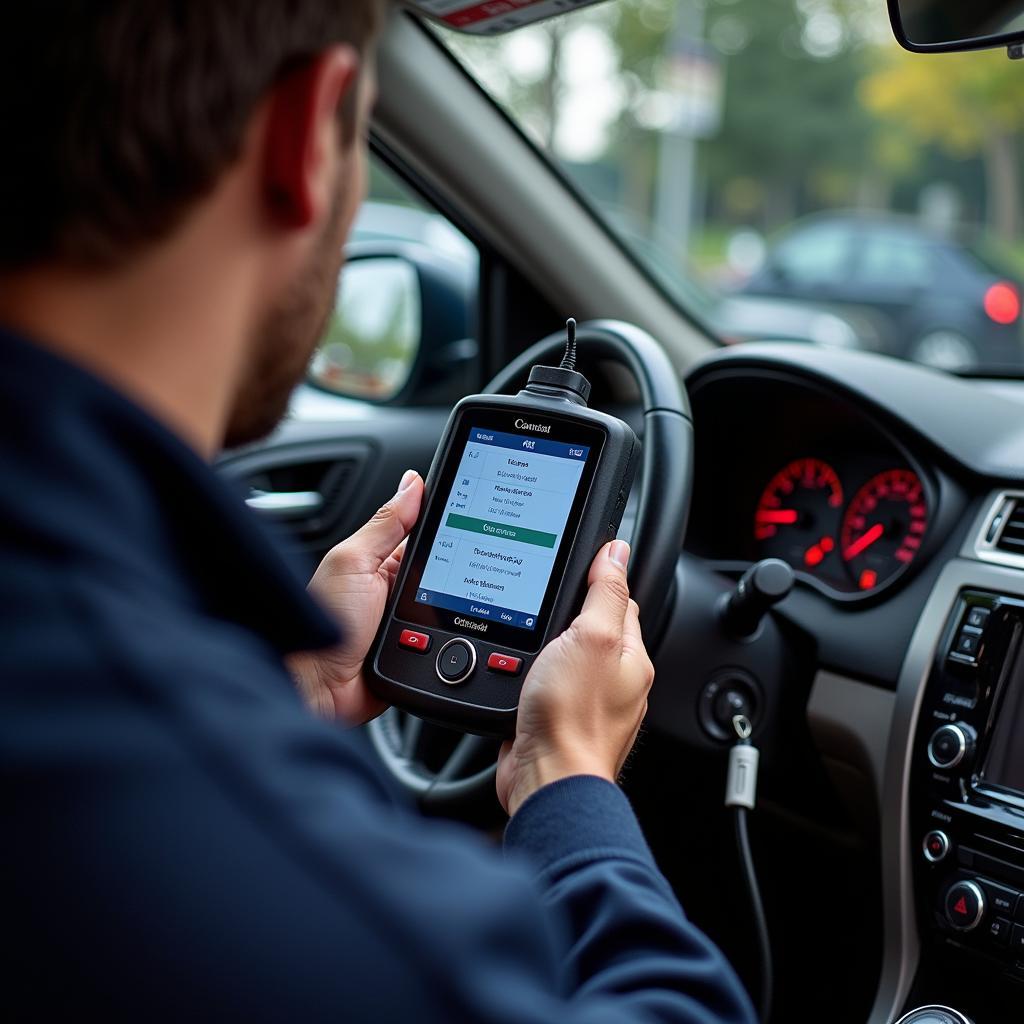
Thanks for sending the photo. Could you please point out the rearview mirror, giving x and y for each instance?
(937, 26)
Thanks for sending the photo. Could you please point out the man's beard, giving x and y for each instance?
(287, 340)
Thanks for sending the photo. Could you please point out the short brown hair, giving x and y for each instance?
(119, 114)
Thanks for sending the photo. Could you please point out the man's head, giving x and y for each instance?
(125, 119)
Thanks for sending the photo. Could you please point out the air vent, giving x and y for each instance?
(1011, 536)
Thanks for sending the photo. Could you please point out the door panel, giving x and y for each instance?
(354, 465)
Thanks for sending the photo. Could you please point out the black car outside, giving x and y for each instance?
(941, 300)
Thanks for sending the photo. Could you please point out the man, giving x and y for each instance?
(182, 839)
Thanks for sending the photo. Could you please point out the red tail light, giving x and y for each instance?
(1002, 303)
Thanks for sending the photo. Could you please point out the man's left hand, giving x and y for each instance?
(353, 583)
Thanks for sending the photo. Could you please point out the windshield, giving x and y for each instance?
(785, 170)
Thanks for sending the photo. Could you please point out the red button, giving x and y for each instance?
(504, 663)
(416, 641)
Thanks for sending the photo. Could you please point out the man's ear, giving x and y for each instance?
(302, 144)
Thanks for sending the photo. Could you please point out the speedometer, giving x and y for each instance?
(797, 518)
(883, 528)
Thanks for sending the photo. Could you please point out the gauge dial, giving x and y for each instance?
(797, 518)
(883, 528)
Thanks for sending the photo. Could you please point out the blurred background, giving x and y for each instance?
(781, 167)
(777, 161)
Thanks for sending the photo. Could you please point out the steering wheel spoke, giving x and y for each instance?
(412, 730)
(461, 757)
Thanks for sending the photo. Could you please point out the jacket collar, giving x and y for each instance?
(91, 477)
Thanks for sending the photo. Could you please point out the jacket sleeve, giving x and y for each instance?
(631, 953)
(233, 858)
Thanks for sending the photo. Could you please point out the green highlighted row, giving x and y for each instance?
(501, 531)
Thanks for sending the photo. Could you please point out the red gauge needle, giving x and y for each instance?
(864, 541)
(777, 516)
(816, 553)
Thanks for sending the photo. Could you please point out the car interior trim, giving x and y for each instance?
(901, 939)
(986, 437)
(981, 545)
(850, 722)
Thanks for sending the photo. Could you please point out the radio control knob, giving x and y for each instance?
(950, 744)
(965, 906)
(934, 1015)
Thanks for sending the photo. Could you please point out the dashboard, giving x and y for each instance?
(802, 474)
(883, 685)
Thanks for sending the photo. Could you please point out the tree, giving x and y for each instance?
(968, 103)
(792, 120)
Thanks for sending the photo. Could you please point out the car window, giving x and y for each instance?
(895, 262)
(816, 256)
(375, 336)
(710, 134)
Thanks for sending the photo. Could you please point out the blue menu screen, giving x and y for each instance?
(501, 526)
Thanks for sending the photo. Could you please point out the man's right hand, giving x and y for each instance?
(585, 696)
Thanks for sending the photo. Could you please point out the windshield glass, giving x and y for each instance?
(785, 170)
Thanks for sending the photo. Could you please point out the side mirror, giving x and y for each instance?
(942, 26)
(401, 324)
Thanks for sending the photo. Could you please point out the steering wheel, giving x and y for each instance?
(441, 767)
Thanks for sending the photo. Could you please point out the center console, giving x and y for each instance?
(967, 796)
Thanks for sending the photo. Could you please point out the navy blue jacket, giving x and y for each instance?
(181, 840)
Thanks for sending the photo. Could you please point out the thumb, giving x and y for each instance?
(608, 596)
(391, 523)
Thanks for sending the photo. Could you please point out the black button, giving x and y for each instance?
(455, 661)
(1002, 900)
(1017, 941)
(967, 643)
(976, 617)
(1019, 916)
(998, 931)
(946, 747)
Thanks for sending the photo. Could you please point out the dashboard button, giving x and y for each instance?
(967, 644)
(950, 744)
(456, 661)
(1017, 941)
(998, 931)
(977, 617)
(965, 906)
(414, 641)
(1002, 900)
(504, 663)
(936, 846)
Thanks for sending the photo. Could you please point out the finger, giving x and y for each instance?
(377, 540)
(633, 649)
(394, 563)
(608, 596)
(632, 637)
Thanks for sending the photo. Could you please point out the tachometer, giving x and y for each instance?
(797, 518)
(883, 528)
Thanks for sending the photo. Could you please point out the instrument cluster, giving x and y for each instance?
(787, 469)
(855, 528)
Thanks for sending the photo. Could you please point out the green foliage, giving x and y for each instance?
(821, 110)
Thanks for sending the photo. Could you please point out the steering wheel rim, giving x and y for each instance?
(664, 483)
